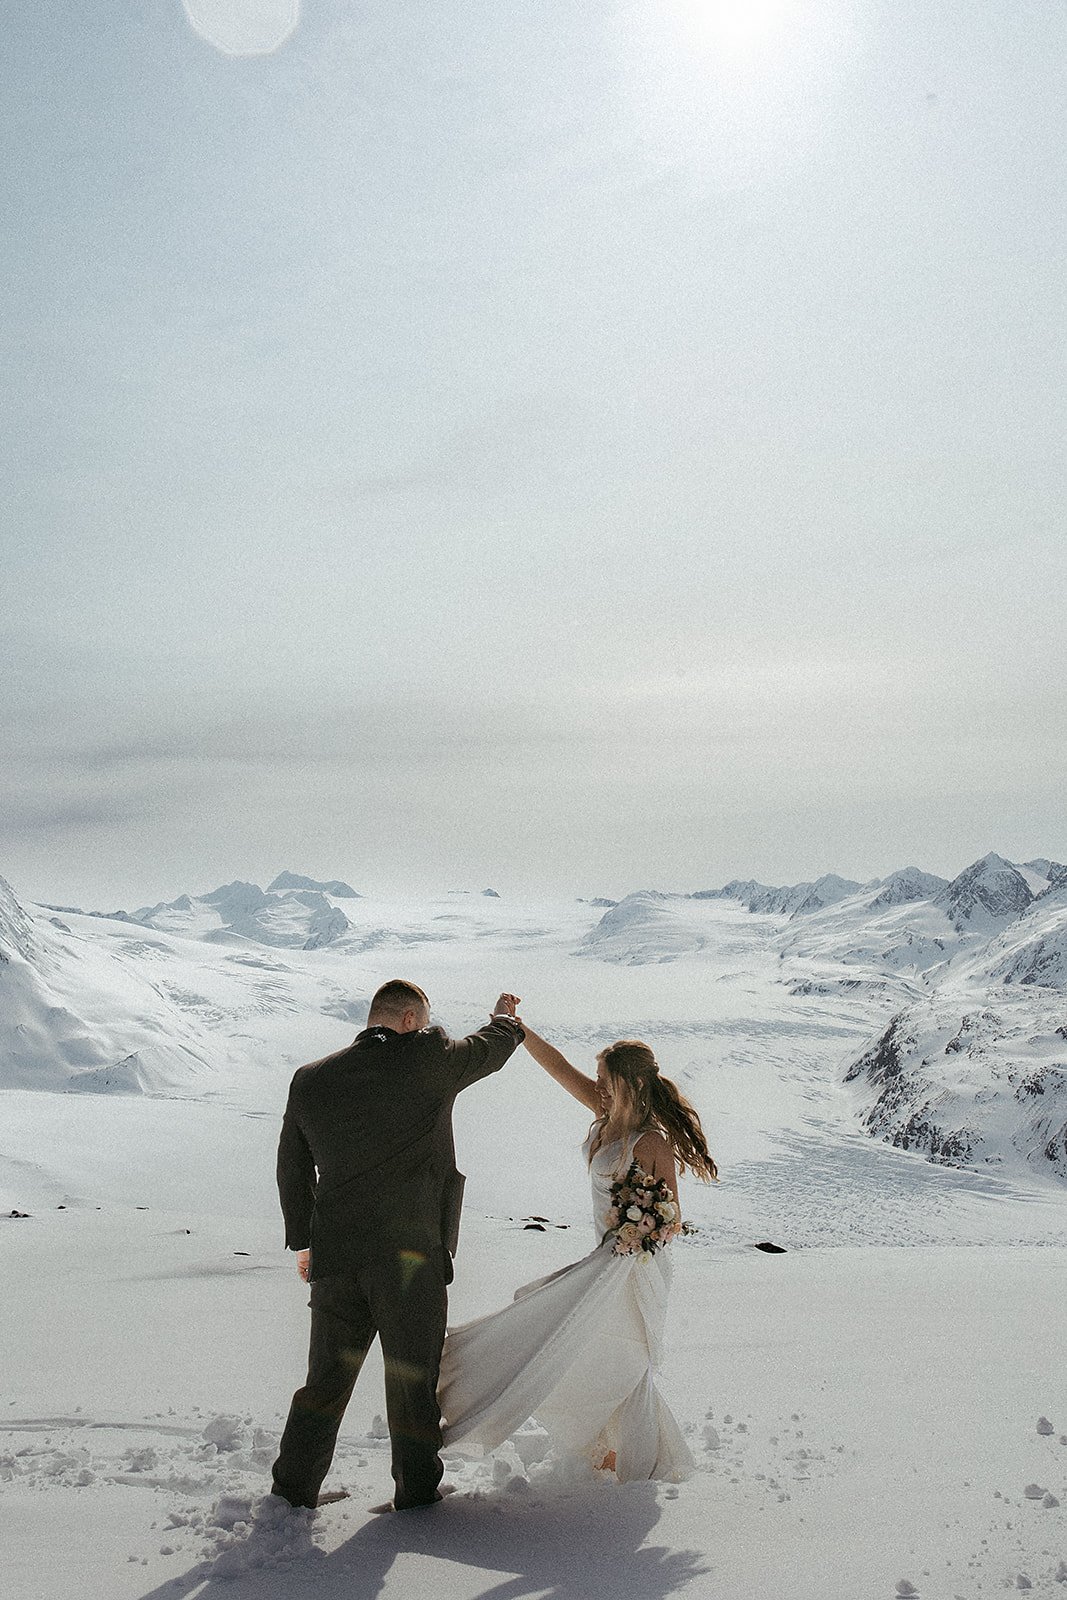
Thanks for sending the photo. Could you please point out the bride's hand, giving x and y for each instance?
(507, 1005)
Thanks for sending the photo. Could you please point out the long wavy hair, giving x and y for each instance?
(652, 1101)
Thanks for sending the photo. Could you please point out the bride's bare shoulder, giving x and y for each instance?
(650, 1141)
(654, 1153)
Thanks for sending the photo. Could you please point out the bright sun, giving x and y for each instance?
(736, 27)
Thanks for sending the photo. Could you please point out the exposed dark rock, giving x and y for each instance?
(883, 1061)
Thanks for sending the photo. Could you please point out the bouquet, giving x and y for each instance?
(643, 1214)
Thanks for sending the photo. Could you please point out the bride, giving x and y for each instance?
(579, 1349)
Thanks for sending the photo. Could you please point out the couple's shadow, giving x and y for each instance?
(558, 1546)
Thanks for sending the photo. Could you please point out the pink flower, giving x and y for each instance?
(645, 1225)
(626, 1240)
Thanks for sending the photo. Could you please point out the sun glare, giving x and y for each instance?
(243, 27)
(736, 27)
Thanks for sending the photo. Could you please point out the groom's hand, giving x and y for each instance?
(507, 1005)
(303, 1264)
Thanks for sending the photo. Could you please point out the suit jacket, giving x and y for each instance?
(366, 1159)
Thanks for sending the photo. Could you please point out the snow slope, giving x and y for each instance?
(75, 1014)
(971, 1085)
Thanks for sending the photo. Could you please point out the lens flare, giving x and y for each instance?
(243, 27)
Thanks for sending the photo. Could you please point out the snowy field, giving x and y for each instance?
(879, 1411)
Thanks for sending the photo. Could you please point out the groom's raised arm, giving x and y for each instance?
(482, 1052)
(297, 1180)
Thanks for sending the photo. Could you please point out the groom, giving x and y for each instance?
(371, 1199)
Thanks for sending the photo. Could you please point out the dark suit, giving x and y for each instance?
(367, 1178)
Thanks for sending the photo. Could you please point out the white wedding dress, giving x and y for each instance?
(578, 1351)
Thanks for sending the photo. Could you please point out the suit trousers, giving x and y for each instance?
(401, 1296)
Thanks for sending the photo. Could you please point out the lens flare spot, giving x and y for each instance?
(243, 27)
(410, 1262)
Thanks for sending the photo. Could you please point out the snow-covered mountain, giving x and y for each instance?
(789, 900)
(977, 1072)
(792, 900)
(292, 918)
(644, 928)
(1056, 882)
(75, 1016)
(16, 936)
(969, 1060)
(971, 1083)
(143, 1000)
(985, 896)
(1031, 950)
(744, 889)
(905, 886)
(296, 880)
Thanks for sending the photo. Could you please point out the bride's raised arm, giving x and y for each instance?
(557, 1066)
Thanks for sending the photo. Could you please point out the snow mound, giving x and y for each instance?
(643, 928)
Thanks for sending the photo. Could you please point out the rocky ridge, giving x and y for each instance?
(969, 1061)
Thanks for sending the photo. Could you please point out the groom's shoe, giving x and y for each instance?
(411, 1505)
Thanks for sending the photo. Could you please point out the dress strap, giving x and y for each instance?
(626, 1155)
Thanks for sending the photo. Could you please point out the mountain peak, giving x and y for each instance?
(16, 935)
(296, 880)
(906, 885)
(235, 899)
(990, 862)
(825, 891)
(987, 894)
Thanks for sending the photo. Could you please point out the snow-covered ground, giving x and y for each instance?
(881, 1410)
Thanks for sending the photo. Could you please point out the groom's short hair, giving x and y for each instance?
(396, 997)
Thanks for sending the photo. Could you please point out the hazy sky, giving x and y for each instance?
(578, 445)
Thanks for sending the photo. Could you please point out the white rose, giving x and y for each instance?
(635, 1213)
